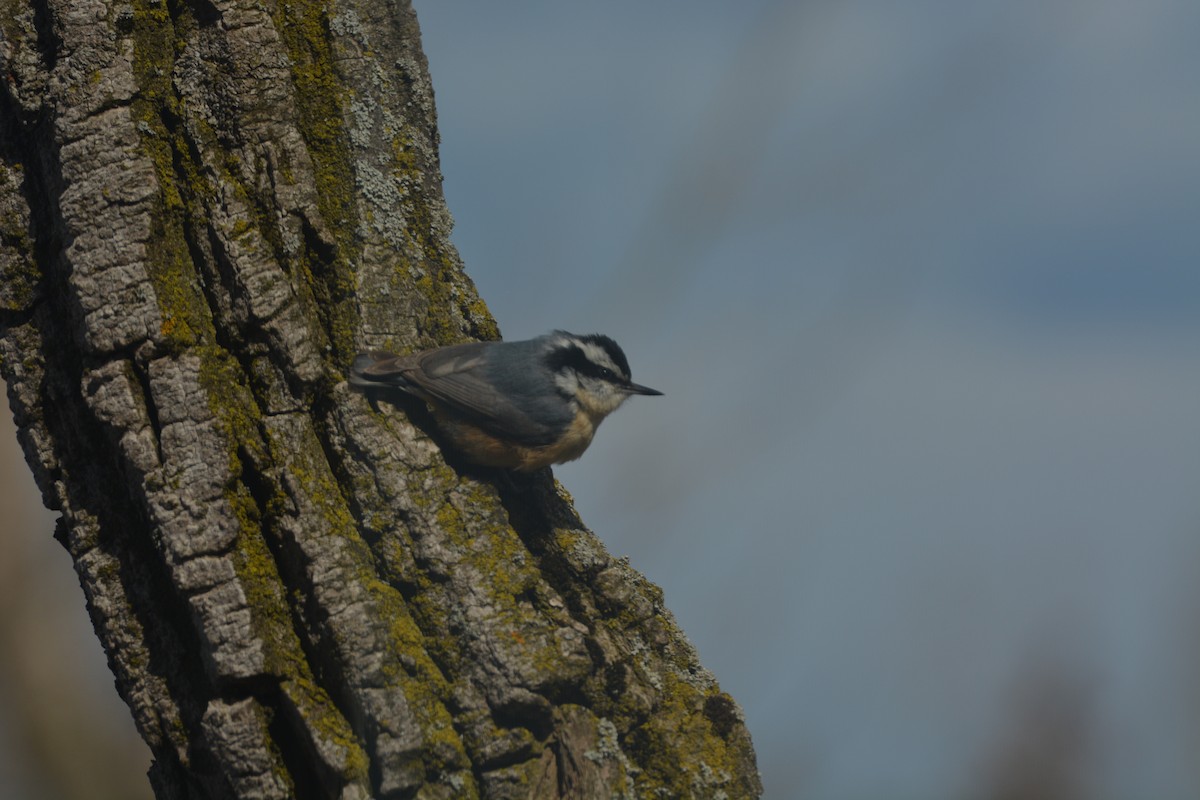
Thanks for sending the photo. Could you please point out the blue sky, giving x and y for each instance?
(920, 281)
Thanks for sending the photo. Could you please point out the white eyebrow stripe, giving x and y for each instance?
(598, 355)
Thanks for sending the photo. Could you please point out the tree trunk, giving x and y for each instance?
(206, 208)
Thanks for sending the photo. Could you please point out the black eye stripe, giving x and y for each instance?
(574, 358)
(609, 346)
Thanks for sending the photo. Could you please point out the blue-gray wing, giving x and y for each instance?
(461, 379)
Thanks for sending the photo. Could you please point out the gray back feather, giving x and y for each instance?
(503, 387)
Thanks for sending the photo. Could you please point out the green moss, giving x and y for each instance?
(510, 582)
(440, 280)
(11, 12)
(304, 27)
(410, 666)
(263, 715)
(679, 751)
(185, 192)
(493, 550)
(241, 227)
(323, 717)
(186, 317)
(325, 271)
(424, 686)
(478, 312)
(259, 578)
(231, 403)
(257, 572)
(319, 96)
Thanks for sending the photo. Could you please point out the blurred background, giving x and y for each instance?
(921, 283)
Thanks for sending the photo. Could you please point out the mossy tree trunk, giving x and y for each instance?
(206, 208)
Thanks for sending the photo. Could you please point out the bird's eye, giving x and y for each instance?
(606, 373)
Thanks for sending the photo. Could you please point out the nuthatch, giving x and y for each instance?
(517, 405)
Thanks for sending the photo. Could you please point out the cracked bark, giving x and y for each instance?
(206, 208)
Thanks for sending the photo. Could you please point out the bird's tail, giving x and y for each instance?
(361, 376)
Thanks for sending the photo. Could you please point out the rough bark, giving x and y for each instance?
(206, 208)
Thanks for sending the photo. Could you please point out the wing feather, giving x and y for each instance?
(457, 379)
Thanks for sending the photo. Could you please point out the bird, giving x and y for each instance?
(520, 405)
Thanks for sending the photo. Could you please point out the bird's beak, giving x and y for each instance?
(634, 388)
